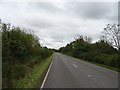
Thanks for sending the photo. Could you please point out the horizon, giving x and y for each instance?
(58, 23)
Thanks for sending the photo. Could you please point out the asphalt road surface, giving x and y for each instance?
(68, 72)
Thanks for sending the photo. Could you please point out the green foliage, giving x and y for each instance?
(21, 51)
(34, 78)
(100, 52)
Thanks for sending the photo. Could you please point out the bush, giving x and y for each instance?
(100, 52)
(21, 51)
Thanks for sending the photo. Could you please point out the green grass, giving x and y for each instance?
(102, 65)
(105, 66)
(35, 77)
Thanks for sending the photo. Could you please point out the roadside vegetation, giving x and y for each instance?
(25, 61)
(34, 78)
(100, 52)
(22, 55)
(103, 52)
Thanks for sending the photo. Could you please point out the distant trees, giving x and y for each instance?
(112, 31)
(83, 38)
(100, 52)
(88, 39)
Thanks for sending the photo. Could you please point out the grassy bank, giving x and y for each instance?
(105, 66)
(35, 77)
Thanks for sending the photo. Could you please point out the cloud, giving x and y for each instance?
(93, 10)
(57, 23)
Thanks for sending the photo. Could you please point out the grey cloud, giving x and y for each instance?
(93, 10)
(56, 24)
(40, 23)
(47, 6)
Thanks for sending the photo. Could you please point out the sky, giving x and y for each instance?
(58, 23)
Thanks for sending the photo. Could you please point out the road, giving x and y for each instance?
(68, 72)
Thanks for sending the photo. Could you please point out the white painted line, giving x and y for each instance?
(46, 75)
(88, 75)
(74, 65)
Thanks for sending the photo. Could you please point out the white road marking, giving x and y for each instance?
(88, 75)
(74, 65)
(46, 76)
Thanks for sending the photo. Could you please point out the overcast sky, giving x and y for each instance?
(57, 23)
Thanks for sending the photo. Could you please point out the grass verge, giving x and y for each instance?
(102, 65)
(35, 77)
(105, 66)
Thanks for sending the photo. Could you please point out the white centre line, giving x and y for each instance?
(74, 65)
(88, 75)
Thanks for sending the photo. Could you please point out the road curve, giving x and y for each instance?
(69, 72)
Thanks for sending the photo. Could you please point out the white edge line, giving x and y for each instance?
(46, 76)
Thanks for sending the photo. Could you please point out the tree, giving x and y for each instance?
(21, 51)
(112, 31)
(88, 39)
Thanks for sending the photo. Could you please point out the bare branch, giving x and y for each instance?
(113, 33)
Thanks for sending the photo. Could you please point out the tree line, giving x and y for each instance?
(105, 51)
(21, 51)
